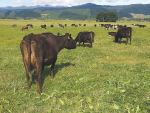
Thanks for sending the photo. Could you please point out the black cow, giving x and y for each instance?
(84, 24)
(112, 34)
(43, 26)
(72, 24)
(142, 26)
(125, 32)
(61, 26)
(29, 25)
(65, 25)
(79, 24)
(85, 37)
(52, 26)
(40, 50)
(94, 25)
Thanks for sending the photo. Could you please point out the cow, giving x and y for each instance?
(24, 27)
(61, 26)
(52, 26)
(76, 25)
(72, 24)
(79, 24)
(29, 25)
(94, 25)
(85, 37)
(65, 25)
(14, 25)
(112, 34)
(43, 26)
(40, 50)
(124, 32)
(84, 24)
(142, 26)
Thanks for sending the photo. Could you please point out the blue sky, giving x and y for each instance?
(15, 3)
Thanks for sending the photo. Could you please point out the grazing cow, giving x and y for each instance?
(94, 25)
(43, 26)
(79, 24)
(112, 34)
(24, 27)
(84, 24)
(52, 26)
(40, 50)
(29, 25)
(85, 37)
(101, 25)
(142, 26)
(124, 32)
(65, 25)
(72, 24)
(15, 25)
(61, 26)
(76, 25)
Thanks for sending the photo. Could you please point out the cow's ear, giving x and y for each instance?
(70, 36)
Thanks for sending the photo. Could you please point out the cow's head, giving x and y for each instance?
(70, 43)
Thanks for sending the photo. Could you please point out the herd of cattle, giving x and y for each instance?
(40, 50)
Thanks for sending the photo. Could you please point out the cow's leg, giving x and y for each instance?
(130, 40)
(39, 73)
(120, 40)
(40, 67)
(83, 43)
(127, 40)
(28, 78)
(52, 70)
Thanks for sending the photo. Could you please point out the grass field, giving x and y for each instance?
(107, 78)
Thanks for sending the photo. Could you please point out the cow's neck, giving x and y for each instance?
(60, 42)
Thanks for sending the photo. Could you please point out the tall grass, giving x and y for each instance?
(109, 77)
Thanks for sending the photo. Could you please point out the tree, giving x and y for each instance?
(101, 17)
(107, 17)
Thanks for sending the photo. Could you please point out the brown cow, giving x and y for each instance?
(15, 25)
(24, 27)
(85, 37)
(40, 50)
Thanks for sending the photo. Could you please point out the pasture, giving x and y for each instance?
(107, 78)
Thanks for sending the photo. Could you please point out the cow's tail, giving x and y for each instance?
(29, 53)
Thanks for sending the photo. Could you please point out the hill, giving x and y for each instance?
(74, 12)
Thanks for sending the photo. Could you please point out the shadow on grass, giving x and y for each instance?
(85, 45)
(121, 41)
(47, 72)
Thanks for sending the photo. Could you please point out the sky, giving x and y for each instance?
(15, 3)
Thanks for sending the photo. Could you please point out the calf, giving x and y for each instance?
(40, 50)
(61, 26)
(43, 26)
(85, 37)
(24, 27)
(15, 25)
(124, 32)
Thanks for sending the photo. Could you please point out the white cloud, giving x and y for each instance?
(52, 2)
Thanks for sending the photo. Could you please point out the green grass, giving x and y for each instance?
(107, 78)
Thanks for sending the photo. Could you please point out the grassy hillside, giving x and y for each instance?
(109, 77)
